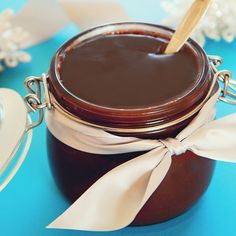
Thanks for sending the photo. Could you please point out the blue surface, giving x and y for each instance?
(32, 201)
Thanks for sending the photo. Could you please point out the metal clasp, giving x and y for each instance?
(34, 101)
(228, 93)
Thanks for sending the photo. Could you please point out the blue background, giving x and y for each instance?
(32, 201)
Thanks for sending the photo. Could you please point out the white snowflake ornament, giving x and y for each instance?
(219, 22)
(11, 41)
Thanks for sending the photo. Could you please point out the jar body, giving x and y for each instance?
(186, 181)
(189, 175)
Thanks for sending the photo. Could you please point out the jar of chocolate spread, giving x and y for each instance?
(116, 78)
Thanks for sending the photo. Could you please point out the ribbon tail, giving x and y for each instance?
(216, 140)
(157, 176)
(40, 26)
(115, 199)
(90, 13)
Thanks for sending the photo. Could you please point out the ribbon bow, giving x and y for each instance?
(116, 198)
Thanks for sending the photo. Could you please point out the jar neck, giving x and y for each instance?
(132, 118)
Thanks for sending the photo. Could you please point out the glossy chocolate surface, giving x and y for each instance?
(128, 71)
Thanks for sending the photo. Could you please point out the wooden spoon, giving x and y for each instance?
(186, 27)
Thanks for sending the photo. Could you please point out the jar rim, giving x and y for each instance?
(117, 114)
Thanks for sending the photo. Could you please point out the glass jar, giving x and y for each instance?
(75, 171)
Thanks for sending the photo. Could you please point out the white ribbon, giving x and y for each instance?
(115, 199)
(44, 19)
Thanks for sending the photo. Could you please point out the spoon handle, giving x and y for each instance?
(186, 27)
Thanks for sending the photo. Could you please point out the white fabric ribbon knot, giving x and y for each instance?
(115, 199)
(174, 146)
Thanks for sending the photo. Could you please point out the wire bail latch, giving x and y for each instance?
(34, 100)
(228, 93)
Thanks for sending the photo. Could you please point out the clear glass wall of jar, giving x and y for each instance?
(75, 171)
